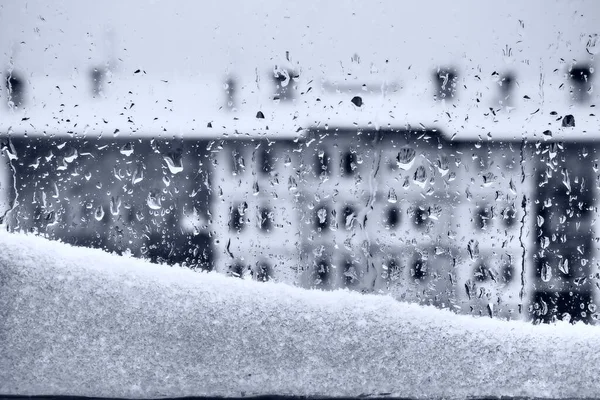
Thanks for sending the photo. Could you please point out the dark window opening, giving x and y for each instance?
(131, 214)
(322, 164)
(350, 273)
(348, 217)
(419, 270)
(237, 270)
(348, 163)
(321, 273)
(419, 217)
(508, 272)
(482, 272)
(507, 85)
(265, 162)
(392, 217)
(321, 218)
(97, 78)
(509, 216)
(445, 84)
(566, 306)
(16, 89)
(236, 218)
(580, 77)
(284, 84)
(266, 222)
(230, 93)
(238, 164)
(393, 270)
(263, 272)
(482, 218)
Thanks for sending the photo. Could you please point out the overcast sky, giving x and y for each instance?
(209, 37)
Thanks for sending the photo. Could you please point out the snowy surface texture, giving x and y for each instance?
(81, 322)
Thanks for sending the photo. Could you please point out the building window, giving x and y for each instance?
(348, 217)
(236, 217)
(237, 270)
(238, 164)
(97, 77)
(321, 218)
(230, 87)
(419, 217)
(508, 272)
(445, 81)
(419, 269)
(322, 164)
(391, 270)
(348, 163)
(263, 272)
(483, 217)
(16, 90)
(392, 218)
(266, 219)
(321, 273)
(509, 216)
(482, 272)
(283, 79)
(265, 162)
(350, 273)
(581, 82)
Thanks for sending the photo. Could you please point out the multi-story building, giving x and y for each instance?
(462, 175)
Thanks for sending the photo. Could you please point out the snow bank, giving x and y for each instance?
(76, 321)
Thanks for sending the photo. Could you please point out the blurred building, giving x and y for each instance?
(451, 169)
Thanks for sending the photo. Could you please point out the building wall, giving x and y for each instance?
(500, 228)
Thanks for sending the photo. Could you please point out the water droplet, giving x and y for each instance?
(563, 266)
(10, 150)
(174, 163)
(138, 175)
(512, 187)
(473, 248)
(568, 121)
(488, 179)
(99, 213)
(322, 215)
(435, 212)
(566, 179)
(406, 157)
(154, 201)
(420, 176)
(357, 101)
(540, 220)
(292, 184)
(255, 188)
(546, 272)
(593, 44)
(71, 157)
(392, 198)
(127, 149)
(115, 205)
(443, 166)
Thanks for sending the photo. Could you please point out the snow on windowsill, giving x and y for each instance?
(76, 321)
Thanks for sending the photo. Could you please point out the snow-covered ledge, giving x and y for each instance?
(76, 321)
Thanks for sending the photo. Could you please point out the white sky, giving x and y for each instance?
(209, 37)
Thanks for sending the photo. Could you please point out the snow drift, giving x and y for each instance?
(76, 321)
